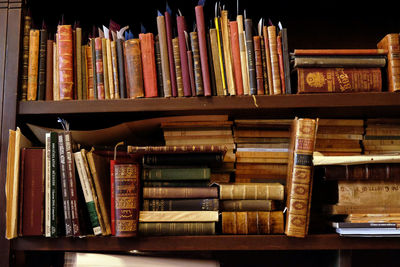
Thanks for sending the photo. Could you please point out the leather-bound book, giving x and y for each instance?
(162, 34)
(157, 52)
(49, 70)
(121, 68)
(105, 68)
(335, 80)
(25, 57)
(248, 24)
(286, 60)
(258, 65)
(99, 68)
(191, 72)
(237, 67)
(264, 65)
(179, 192)
(176, 229)
(149, 64)
(93, 58)
(243, 55)
(198, 204)
(391, 43)
(252, 222)
(378, 171)
(273, 51)
(110, 69)
(127, 205)
(201, 31)
(178, 67)
(56, 74)
(211, 65)
(256, 191)
(280, 61)
(170, 47)
(133, 60)
(198, 80)
(33, 64)
(90, 74)
(41, 90)
(268, 58)
(227, 52)
(216, 62)
(65, 62)
(84, 72)
(33, 160)
(176, 173)
(78, 70)
(300, 176)
(181, 26)
(114, 57)
(217, 22)
(247, 205)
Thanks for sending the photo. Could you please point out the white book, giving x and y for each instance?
(47, 188)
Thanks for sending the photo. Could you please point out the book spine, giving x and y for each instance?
(168, 28)
(201, 30)
(33, 64)
(248, 24)
(115, 66)
(164, 56)
(273, 51)
(391, 42)
(99, 68)
(179, 192)
(90, 74)
(183, 159)
(198, 80)
(54, 184)
(227, 52)
(149, 64)
(362, 172)
(121, 68)
(134, 68)
(41, 90)
(280, 61)
(180, 204)
(247, 205)
(286, 60)
(56, 74)
(94, 77)
(191, 72)
(65, 62)
(176, 229)
(49, 70)
(243, 55)
(339, 80)
(178, 68)
(299, 184)
(126, 186)
(258, 65)
(264, 65)
(217, 22)
(252, 222)
(25, 58)
(236, 57)
(112, 196)
(178, 216)
(176, 174)
(176, 183)
(110, 70)
(157, 51)
(78, 45)
(74, 63)
(84, 65)
(47, 188)
(211, 65)
(267, 191)
(105, 68)
(268, 56)
(181, 26)
(216, 62)
(127, 84)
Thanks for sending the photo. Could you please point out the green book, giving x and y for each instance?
(176, 174)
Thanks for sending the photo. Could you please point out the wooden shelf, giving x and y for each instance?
(205, 243)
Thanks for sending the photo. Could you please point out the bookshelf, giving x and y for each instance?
(360, 105)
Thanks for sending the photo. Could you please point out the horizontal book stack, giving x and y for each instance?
(251, 208)
(339, 70)
(339, 137)
(262, 150)
(382, 136)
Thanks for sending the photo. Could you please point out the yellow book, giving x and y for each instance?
(221, 61)
(227, 52)
(33, 64)
(110, 69)
(105, 67)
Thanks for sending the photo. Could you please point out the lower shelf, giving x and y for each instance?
(204, 243)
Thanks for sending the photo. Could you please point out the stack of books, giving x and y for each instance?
(382, 136)
(338, 137)
(339, 70)
(262, 150)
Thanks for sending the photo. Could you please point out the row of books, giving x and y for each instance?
(226, 59)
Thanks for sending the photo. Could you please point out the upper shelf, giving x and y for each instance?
(314, 105)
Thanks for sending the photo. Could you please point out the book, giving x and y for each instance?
(218, 23)
(114, 59)
(179, 192)
(33, 64)
(206, 159)
(149, 65)
(391, 43)
(25, 57)
(180, 183)
(342, 52)
(171, 61)
(119, 44)
(243, 55)
(178, 67)
(258, 65)
(379, 171)
(252, 222)
(300, 176)
(201, 30)
(49, 70)
(99, 68)
(41, 90)
(340, 61)
(190, 66)
(210, 204)
(334, 80)
(110, 70)
(227, 51)
(286, 60)
(256, 191)
(127, 190)
(237, 67)
(351, 225)
(161, 173)
(360, 159)
(55, 208)
(47, 186)
(178, 216)
(176, 149)
(181, 28)
(78, 69)
(248, 24)
(273, 51)
(133, 61)
(89, 74)
(247, 205)
(176, 229)
(105, 68)
(65, 62)
(198, 79)
(164, 56)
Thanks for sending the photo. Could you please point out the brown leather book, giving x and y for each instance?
(179, 192)
(90, 74)
(237, 67)
(164, 56)
(25, 58)
(268, 57)
(378, 171)
(201, 30)
(78, 58)
(300, 176)
(334, 80)
(127, 205)
(171, 61)
(247, 205)
(280, 60)
(248, 23)
(114, 57)
(258, 65)
(273, 51)
(178, 67)
(216, 62)
(256, 191)
(65, 62)
(105, 67)
(149, 64)
(41, 90)
(191, 72)
(99, 68)
(133, 60)
(252, 222)
(227, 50)
(33, 191)
(84, 72)
(391, 43)
(49, 70)
(198, 79)
(181, 26)
(33, 64)
(340, 52)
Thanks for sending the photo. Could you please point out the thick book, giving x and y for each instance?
(179, 192)
(41, 90)
(127, 193)
(25, 58)
(201, 30)
(247, 205)
(378, 171)
(178, 67)
(255, 191)
(162, 35)
(65, 62)
(248, 24)
(198, 79)
(252, 222)
(337, 80)
(133, 61)
(341, 52)
(178, 216)
(33, 64)
(300, 176)
(198, 204)
(176, 228)
(391, 43)
(340, 61)
(236, 61)
(176, 173)
(149, 64)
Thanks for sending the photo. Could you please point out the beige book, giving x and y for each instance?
(196, 132)
(319, 159)
(178, 216)
(243, 55)
(227, 52)
(258, 191)
(261, 160)
(273, 155)
(110, 69)
(115, 69)
(56, 75)
(340, 136)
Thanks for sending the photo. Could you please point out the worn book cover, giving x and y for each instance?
(65, 62)
(252, 222)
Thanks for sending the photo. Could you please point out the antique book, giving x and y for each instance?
(90, 74)
(237, 67)
(105, 67)
(25, 58)
(160, 173)
(340, 61)
(99, 69)
(110, 71)
(264, 65)
(181, 204)
(207, 159)
(65, 62)
(178, 67)
(164, 56)
(32, 184)
(201, 30)
(300, 176)
(127, 190)
(338, 209)
(181, 27)
(198, 79)
(78, 70)
(334, 80)
(33, 64)
(378, 171)
(243, 55)
(248, 24)
(247, 205)
(149, 64)
(180, 183)
(252, 222)
(261, 160)
(217, 22)
(55, 224)
(157, 53)
(256, 191)
(227, 50)
(133, 61)
(115, 66)
(171, 61)
(191, 67)
(94, 66)
(41, 90)
(341, 129)
(119, 43)
(286, 60)
(47, 186)
(273, 51)
(178, 216)
(261, 154)
(280, 61)
(179, 192)
(56, 74)
(176, 149)
(49, 70)
(337, 52)
(246, 132)
(176, 228)
(268, 56)
(258, 65)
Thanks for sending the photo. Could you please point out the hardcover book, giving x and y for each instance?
(176, 228)
(252, 222)
(33, 64)
(65, 62)
(149, 64)
(179, 192)
(255, 191)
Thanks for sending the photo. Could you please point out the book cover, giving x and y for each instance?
(268, 58)
(227, 50)
(110, 70)
(258, 65)
(162, 35)
(255, 191)
(119, 43)
(171, 61)
(286, 60)
(105, 68)
(378, 171)
(176, 174)
(340, 61)
(55, 182)
(99, 68)
(247, 205)
(181, 27)
(49, 70)
(157, 53)
(115, 68)
(178, 216)
(65, 62)
(149, 64)
(236, 57)
(133, 61)
(78, 70)
(280, 61)
(216, 62)
(198, 79)
(273, 51)
(178, 67)
(248, 24)
(243, 55)
(90, 74)
(341, 52)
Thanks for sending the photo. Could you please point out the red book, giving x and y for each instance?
(149, 64)
(201, 31)
(258, 65)
(168, 27)
(65, 62)
(280, 61)
(236, 57)
(99, 68)
(181, 25)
